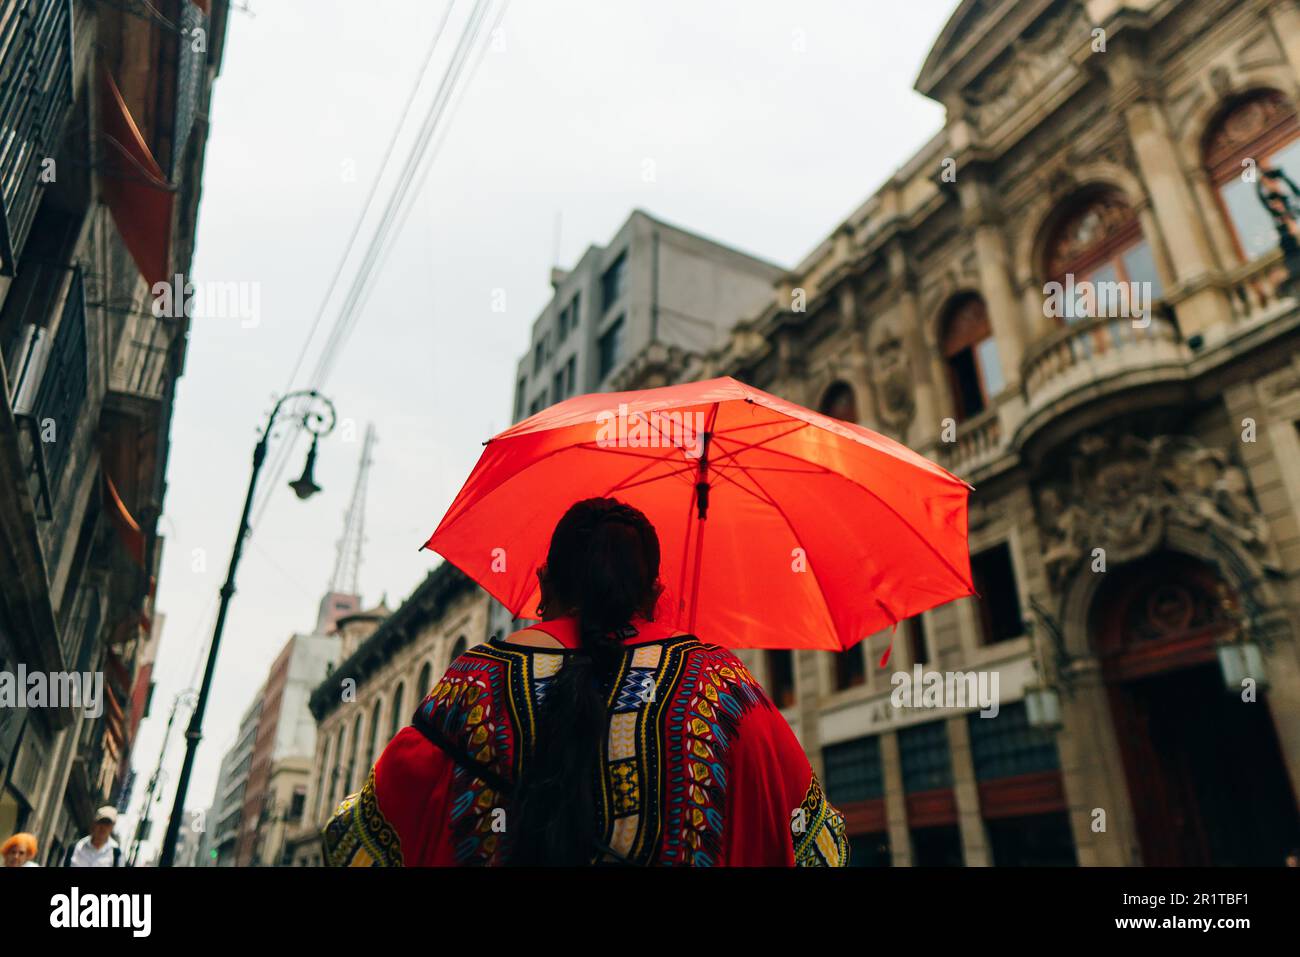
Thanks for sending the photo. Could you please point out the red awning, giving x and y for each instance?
(134, 187)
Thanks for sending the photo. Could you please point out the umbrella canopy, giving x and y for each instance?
(778, 527)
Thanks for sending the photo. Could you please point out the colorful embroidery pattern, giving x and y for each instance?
(818, 831)
(715, 692)
(358, 835)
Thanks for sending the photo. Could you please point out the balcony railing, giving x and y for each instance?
(35, 94)
(1098, 349)
(1257, 291)
(979, 441)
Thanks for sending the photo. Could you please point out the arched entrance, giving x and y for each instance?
(1204, 770)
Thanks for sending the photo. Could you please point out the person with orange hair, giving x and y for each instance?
(20, 851)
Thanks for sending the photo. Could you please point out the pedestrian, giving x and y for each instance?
(598, 736)
(20, 851)
(97, 849)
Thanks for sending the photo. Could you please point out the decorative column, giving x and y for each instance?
(900, 838)
(1200, 304)
(974, 839)
(982, 221)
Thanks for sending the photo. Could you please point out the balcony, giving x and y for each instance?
(35, 94)
(1099, 356)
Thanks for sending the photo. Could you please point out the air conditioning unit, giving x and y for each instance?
(33, 353)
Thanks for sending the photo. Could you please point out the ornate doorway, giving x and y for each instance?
(1203, 768)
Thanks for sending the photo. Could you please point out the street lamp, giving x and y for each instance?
(317, 417)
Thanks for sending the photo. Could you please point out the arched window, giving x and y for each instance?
(971, 354)
(839, 402)
(1098, 240)
(1255, 132)
(459, 648)
(348, 784)
(396, 724)
(375, 715)
(337, 776)
(426, 675)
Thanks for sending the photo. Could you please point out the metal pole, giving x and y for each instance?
(155, 780)
(195, 731)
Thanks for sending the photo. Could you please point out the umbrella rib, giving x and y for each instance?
(876, 495)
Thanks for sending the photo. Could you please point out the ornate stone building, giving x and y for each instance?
(1135, 524)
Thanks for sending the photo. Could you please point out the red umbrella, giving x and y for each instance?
(778, 527)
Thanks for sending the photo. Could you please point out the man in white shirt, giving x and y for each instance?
(97, 849)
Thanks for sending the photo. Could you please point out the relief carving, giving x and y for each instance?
(890, 369)
(1124, 492)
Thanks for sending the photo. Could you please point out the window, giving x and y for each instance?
(850, 668)
(611, 347)
(539, 356)
(614, 282)
(569, 318)
(396, 721)
(780, 671)
(870, 850)
(937, 846)
(458, 649)
(1035, 840)
(974, 369)
(916, 640)
(854, 771)
(520, 399)
(426, 675)
(375, 716)
(297, 804)
(999, 602)
(1006, 746)
(923, 750)
(1259, 127)
(557, 385)
(1099, 240)
(840, 402)
(571, 376)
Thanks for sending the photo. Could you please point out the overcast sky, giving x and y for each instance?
(767, 123)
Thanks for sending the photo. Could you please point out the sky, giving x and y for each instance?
(765, 123)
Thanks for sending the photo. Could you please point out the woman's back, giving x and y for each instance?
(700, 768)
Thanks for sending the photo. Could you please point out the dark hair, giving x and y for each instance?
(603, 568)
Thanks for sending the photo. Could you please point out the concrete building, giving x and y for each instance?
(1135, 528)
(232, 784)
(283, 746)
(375, 689)
(103, 127)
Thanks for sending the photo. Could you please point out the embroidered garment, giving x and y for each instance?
(701, 769)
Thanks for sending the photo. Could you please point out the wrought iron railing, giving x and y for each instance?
(56, 414)
(35, 94)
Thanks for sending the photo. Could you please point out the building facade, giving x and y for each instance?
(374, 691)
(103, 127)
(232, 785)
(283, 746)
(1074, 297)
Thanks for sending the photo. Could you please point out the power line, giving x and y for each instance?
(380, 242)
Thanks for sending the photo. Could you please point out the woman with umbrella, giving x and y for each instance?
(609, 733)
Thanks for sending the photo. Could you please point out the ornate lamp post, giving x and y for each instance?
(317, 416)
(1280, 196)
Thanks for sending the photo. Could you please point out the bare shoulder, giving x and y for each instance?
(533, 638)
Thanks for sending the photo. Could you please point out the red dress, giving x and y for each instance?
(702, 769)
